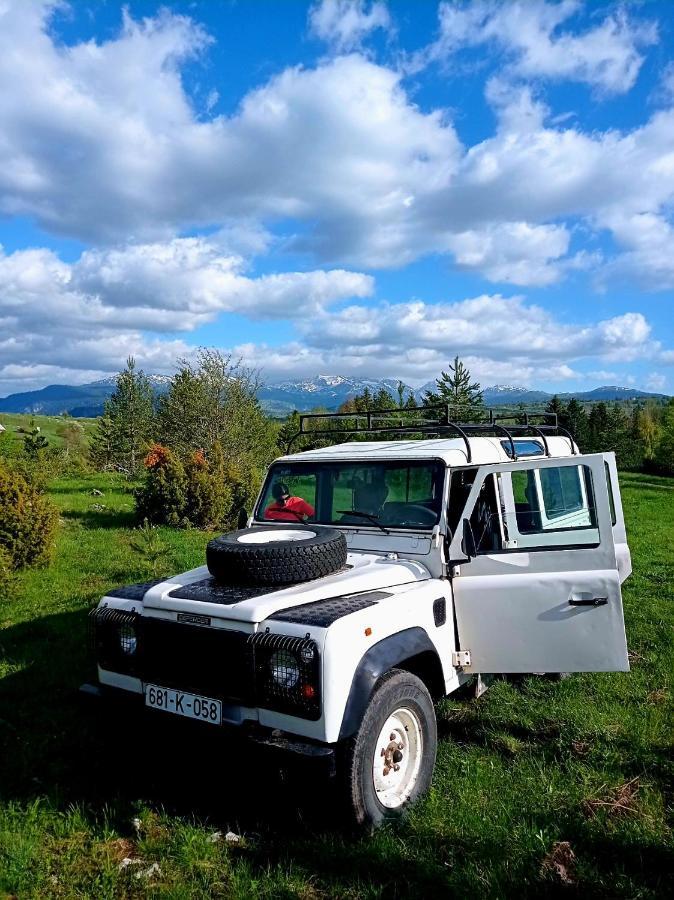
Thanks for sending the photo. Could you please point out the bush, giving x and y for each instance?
(198, 492)
(6, 574)
(163, 497)
(27, 522)
(209, 496)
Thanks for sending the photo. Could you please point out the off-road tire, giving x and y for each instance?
(233, 561)
(396, 689)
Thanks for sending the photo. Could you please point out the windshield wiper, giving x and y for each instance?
(356, 512)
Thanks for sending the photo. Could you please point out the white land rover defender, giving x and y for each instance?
(374, 578)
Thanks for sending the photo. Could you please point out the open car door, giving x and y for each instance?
(534, 571)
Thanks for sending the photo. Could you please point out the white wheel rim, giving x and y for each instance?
(397, 758)
(274, 535)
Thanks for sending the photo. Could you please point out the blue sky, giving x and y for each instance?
(343, 187)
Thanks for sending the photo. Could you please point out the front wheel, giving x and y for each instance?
(389, 762)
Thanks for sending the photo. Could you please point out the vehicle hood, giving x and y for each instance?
(364, 572)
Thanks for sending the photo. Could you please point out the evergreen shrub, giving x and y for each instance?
(28, 522)
(195, 493)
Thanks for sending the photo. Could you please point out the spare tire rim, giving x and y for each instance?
(397, 758)
(275, 535)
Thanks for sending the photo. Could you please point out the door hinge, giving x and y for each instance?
(461, 658)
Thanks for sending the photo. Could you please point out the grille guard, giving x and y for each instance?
(233, 666)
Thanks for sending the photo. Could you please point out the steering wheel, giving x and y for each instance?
(417, 515)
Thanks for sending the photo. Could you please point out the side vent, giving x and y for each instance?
(440, 611)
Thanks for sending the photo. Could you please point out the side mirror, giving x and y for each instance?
(242, 518)
(468, 542)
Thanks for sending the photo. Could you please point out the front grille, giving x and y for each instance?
(232, 666)
(211, 661)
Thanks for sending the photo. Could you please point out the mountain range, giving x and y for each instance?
(281, 398)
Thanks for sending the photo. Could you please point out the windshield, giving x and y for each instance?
(371, 494)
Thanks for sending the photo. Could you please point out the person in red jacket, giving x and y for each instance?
(286, 508)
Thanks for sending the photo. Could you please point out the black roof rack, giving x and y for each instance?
(370, 422)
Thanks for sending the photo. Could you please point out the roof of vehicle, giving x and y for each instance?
(451, 450)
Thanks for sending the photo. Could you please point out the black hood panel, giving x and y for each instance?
(208, 590)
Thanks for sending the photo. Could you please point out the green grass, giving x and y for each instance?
(587, 760)
(16, 424)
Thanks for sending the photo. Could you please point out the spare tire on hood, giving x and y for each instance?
(276, 554)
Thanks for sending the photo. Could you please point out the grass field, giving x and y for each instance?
(16, 424)
(586, 761)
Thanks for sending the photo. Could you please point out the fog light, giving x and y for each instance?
(128, 641)
(285, 669)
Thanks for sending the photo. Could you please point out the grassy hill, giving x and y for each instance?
(531, 765)
(17, 424)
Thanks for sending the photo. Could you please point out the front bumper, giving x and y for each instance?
(288, 746)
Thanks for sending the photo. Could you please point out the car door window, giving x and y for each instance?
(549, 506)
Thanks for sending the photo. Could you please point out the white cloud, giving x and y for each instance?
(605, 56)
(603, 376)
(656, 381)
(89, 315)
(345, 23)
(62, 321)
(195, 279)
(647, 240)
(488, 326)
(100, 141)
(513, 252)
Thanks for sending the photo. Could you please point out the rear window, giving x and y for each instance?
(523, 448)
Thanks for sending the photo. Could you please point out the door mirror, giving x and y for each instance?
(242, 518)
(468, 542)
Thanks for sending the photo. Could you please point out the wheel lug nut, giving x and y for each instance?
(393, 736)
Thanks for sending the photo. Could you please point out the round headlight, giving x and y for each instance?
(128, 642)
(285, 668)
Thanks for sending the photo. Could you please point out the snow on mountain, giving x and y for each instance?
(280, 398)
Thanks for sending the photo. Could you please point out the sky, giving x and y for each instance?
(338, 187)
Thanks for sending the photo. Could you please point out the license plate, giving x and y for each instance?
(193, 706)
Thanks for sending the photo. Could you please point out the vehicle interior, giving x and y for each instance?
(396, 494)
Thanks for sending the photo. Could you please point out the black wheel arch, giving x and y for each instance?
(411, 650)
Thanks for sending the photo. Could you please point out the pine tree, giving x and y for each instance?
(664, 454)
(34, 441)
(598, 428)
(130, 420)
(574, 419)
(608, 428)
(383, 400)
(556, 406)
(461, 393)
(104, 449)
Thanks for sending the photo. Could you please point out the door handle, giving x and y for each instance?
(588, 601)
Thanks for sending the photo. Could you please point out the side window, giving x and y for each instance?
(549, 506)
(561, 490)
(484, 520)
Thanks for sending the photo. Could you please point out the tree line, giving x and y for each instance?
(202, 447)
(642, 437)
